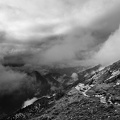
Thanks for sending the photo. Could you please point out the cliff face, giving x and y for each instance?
(94, 96)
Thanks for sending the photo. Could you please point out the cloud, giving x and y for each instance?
(63, 31)
(109, 52)
(10, 80)
(67, 49)
(43, 18)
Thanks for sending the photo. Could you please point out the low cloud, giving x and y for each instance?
(10, 80)
(109, 51)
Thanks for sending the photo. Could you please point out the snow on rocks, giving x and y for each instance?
(102, 98)
(114, 77)
(118, 82)
(101, 68)
(83, 88)
(29, 102)
(116, 73)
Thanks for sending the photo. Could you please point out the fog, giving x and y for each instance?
(109, 52)
(10, 80)
(59, 32)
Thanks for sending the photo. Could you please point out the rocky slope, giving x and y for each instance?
(94, 96)
(41, 81)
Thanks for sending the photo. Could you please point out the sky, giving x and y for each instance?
(70, 32)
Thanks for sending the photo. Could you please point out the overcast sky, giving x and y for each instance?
(61, 31)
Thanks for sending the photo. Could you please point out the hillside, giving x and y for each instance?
(94, 96)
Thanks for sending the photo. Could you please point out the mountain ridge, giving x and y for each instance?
(95, 95)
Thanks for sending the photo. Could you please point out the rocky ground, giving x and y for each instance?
(94, 96)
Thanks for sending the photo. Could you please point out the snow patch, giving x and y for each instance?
(101, 68)
(116, 73)
(29, 102)
(83, 88)
(102, 98)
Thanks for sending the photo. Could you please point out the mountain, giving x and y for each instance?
(94, 96)
(40, 82)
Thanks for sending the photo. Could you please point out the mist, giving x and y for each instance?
(109, 52)
(10, 80)
(66, 32)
